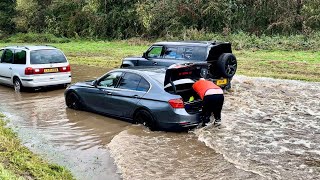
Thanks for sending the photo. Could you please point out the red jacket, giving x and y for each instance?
(202, 86)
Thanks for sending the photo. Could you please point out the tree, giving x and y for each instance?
(7, 13)
(123, 19)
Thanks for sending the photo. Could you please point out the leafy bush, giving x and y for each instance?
(243, 40)
(170, 19)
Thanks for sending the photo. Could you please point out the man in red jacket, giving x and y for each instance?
(212, 97)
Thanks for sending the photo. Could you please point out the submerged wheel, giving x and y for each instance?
(18, 87)
(145, 118)
(227, 65)
(73, 101)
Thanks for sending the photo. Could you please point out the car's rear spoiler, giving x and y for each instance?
(192, 71)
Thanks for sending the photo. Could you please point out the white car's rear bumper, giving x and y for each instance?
(46, 80)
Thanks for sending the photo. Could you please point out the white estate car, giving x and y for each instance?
(33, 66)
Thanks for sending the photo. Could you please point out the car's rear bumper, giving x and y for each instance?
(180, 121)
(41, 81)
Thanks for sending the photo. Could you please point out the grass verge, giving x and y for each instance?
(17, 162)
(284, 64)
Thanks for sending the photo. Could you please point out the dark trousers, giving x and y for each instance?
(212, 104)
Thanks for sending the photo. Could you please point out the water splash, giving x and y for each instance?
(270, 127)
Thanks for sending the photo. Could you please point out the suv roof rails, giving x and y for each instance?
(19, 47)
(48, 45)
(203, 42)
(199, 42)
(24, 47)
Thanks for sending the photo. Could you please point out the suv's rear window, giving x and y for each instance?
(47, 56)
(194, 53)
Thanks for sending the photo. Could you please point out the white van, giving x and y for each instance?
(33, 66)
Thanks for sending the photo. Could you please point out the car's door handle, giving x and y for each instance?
(106, 91)
(135, 96)
(155, 63)
(10, 68)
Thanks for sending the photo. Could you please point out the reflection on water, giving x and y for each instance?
(270, 130)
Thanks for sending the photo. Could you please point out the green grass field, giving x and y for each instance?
(299, 65)
(17, 162)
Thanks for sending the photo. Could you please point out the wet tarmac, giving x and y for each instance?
(270, 130)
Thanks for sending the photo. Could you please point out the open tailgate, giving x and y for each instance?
(192, 71)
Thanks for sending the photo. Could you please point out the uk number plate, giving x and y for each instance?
(222, 82)
(51, 70)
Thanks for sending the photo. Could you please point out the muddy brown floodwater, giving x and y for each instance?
(270, 130)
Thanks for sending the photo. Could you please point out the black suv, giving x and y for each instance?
(223, 63)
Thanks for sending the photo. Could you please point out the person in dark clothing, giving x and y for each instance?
(212, 97)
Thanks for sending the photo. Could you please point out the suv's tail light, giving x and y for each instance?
(176, 103)
(30, 71)
(65, 69)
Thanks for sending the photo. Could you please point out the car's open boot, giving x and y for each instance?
(192, 101)
(179, 80)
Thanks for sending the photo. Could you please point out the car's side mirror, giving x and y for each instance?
(95, 83)
(145, 55)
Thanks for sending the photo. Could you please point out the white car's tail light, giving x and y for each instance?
(30, 71)
(65, 69)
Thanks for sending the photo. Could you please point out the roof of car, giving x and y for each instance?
(188, 43)
(32, 47)
(151, 71)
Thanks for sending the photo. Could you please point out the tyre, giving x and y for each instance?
(17, 85)
(227, 65)
(228, 86)
(73, 101)
(145, 118)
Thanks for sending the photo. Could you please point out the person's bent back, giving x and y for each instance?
(212, 96)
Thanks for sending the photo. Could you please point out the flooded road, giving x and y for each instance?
(270, 130)
(71, 138)
(271, 127)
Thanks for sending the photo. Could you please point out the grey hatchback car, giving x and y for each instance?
(161, 99)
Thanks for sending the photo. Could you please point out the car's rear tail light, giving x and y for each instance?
(65, 69)
(30, 71)
(176, 103)
(38, 71)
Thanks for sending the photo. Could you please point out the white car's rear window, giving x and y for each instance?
(47, 56)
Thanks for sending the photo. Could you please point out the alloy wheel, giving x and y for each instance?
(231, 66)
(17, 85)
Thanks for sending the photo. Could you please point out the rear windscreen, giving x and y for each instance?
(47, 56)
